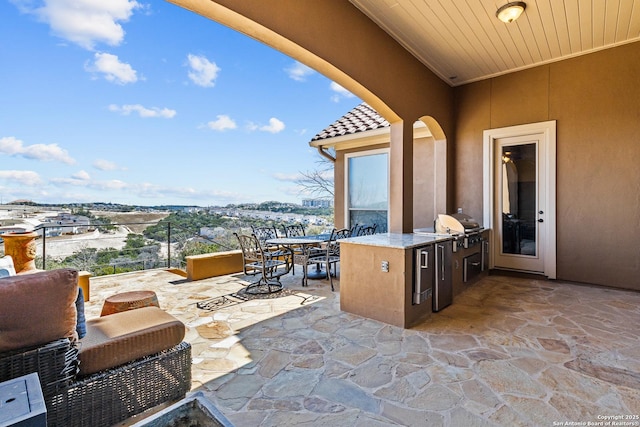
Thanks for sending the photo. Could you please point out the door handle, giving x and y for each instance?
(441, 260)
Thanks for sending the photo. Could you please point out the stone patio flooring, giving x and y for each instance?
(508, 352)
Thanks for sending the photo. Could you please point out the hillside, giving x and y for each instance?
(139, 218)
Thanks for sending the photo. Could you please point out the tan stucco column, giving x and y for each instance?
(401, 178)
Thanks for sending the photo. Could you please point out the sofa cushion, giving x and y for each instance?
(123, 337)
(6, 266)
(37, 308)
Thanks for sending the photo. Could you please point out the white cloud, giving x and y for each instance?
(28, 178)
(222, 123)
(112, 69)
(83, 22)
(148, 190)
(51, 152)
(10, 145)
(70, 181)
(142, 111)
(81, 175)
(274, 126)
(287, 177)
(340, 92)
(203, 72)
(299, 72)
(113, 184)
(105, 165)
(153, 191)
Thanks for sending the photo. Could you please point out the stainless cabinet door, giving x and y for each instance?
(424, 261)
(443, 283)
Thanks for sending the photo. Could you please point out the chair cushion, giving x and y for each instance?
(37, 308)
(123, 337)
(6, 267)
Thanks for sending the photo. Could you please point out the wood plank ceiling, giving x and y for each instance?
(462, 40)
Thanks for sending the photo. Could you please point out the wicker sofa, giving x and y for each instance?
(127, 362)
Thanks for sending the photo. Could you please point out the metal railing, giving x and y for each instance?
(88, 251)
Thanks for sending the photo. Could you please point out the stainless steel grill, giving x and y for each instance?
(469, 245)
(465, 231)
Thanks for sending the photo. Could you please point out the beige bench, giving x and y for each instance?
(214, 264)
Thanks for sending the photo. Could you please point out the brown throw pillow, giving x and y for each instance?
(37, 308)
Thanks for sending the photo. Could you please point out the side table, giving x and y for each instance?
(22, 403)
(129, 301)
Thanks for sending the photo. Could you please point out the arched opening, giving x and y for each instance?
(338, 41)
(288, 46)
(429, 172)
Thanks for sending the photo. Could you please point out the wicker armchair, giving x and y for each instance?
(104, 398)
(109, 394)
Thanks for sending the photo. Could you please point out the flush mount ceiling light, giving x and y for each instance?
(511, 11)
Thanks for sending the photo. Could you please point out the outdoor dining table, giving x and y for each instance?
(307, 243)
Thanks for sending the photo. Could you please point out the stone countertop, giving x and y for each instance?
(395, 240)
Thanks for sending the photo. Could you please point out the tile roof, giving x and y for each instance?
(360, 119)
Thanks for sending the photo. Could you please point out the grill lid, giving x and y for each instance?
(456, 223)
(467, 222)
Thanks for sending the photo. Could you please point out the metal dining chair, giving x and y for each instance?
(329, 257)
(295, 230)
(255, 260)
(265, 233)
(367, 230)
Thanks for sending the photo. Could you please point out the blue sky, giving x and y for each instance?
(147, 103)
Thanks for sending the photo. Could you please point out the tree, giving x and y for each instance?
(82, 259)
(318, 182)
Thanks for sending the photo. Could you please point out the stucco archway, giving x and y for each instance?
(430, 170)
(340, 42)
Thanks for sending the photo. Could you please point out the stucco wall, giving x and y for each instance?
(596, 101)
(594, 98)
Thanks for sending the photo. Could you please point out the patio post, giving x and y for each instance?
(401, 178)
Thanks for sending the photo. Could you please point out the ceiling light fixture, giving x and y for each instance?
(511, 11)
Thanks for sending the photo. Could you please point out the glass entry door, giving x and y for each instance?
(518, 209)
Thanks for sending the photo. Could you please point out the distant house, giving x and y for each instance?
(17, 228)
(64, 223)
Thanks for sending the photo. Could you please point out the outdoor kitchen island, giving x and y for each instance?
(379, 275)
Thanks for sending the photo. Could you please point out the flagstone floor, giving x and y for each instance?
(509, 352)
